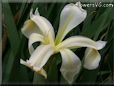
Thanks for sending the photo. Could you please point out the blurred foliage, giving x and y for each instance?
(99, 24)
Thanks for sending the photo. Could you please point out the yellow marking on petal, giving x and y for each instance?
(41, 72)
(30, 24)
(46, 40)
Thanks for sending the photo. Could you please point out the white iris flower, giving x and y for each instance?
(39, 29)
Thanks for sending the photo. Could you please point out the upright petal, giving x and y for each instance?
(80, 41)
(30, 27)
(34, 37)
(91, 59)
(71, 65)
(36, 13)
(71, 16)
(40, 25)
(40, 56)
(45, 27)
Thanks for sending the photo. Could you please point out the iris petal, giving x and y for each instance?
(71, 16)
(80, 41)
(91, 59)
(45, 27)
(40, 56)
(42, 71)
(34, 37)
(30, 27)
(71, 65)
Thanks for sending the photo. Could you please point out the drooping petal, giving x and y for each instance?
(45, 27)
(30, 27)
(71, 65)
(91, 59)
(42, 71)
(40, 56)
(71, 16)
(80, 41)
(34, 37)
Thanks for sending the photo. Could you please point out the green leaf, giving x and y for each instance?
(99, 24)
(21, 11)
(88, 76)
(53, 69)
(38, 79)
(14, 39)
(11, 27)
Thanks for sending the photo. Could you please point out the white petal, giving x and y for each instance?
(45, 27)
(24, 63)
(71, 16)
(40, 25)
(80, 41)
(40, 47)
(34, 37)
(42, 71)
(91, 59)
(71, 65)
(30, 27)
(101, 44)
(36, 12)
(40, 56)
